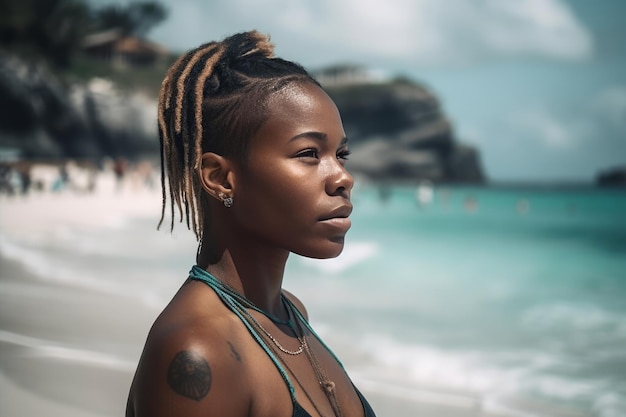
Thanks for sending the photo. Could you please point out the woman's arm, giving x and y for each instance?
(191, 371)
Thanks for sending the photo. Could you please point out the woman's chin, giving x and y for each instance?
(328, 251)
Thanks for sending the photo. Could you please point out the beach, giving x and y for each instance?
(83, 276)
(69, 346)
(40, 373)
(63, 345)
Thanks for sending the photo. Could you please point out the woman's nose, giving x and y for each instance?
(340, 181)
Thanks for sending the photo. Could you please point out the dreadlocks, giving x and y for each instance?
(213, 99)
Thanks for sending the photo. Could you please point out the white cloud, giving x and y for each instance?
(542, 127)
(611, 104)
(602, 118)
(403, 32)
(536, 27)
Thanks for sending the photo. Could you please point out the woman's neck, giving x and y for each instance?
(254, 271)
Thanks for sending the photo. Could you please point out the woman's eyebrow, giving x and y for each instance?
(322, 137)
(319, 136)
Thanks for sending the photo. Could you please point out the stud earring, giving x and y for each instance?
(228, 201)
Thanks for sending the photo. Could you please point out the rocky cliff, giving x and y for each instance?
(397, 130)
(612, 177)
(45, 118)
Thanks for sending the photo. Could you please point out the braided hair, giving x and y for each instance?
(213, 99)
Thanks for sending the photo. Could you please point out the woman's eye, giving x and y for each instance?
(308, 153)
(343, 155)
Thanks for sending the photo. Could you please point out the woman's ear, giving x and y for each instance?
(217, 176)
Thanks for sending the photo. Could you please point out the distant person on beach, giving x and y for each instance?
(62, 180)
(252, 153)
(119, 169)
(424, 194)
(145, 174)
(26, 180)
(470, 204)
(7, 173)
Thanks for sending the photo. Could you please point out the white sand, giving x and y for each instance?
(62, 347)
(68, 351)
(44, 212)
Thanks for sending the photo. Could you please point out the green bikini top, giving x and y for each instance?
(239, 305)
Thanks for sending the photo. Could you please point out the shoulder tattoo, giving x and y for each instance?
(234, 353)
(189, 375)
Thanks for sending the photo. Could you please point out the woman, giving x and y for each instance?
(253, 155)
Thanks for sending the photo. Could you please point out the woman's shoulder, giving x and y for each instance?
(195, 321)
(190, 360)
(193, 312)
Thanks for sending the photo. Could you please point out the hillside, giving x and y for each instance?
(397, 129)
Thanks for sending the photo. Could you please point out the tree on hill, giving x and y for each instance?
(134, 19)
(49, 28)
(54, 29)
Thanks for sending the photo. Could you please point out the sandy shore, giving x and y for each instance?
(64, 350)
(69, 350)
(43, 373)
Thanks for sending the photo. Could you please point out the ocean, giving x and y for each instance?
(511, 301)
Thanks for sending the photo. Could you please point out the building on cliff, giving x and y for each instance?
(123, 51)
(346, 74)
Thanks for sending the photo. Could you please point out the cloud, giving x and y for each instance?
(408, 32)
(611, 104)
(532, 27)
(602, 118)
(575, 142)
(542, 127)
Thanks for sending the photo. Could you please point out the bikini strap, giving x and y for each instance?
(236, 307)
(303, 320)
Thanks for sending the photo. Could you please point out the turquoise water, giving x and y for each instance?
(514, 301)
(508, 301)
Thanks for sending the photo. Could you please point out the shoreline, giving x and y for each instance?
(50, 334)
(69, 348)
(49, 338)
(50, 341)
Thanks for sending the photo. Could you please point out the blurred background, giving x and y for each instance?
(485, 273)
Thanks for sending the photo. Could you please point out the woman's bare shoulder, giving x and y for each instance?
(190, 364)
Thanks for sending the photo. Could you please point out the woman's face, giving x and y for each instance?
(294, 191)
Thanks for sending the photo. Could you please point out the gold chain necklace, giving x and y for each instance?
(300, 348)
(240, 304)
(327, 385)
(256, 325)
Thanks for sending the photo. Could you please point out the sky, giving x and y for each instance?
(537, 86)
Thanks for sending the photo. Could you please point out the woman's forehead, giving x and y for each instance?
(301, 108)
(298, 97)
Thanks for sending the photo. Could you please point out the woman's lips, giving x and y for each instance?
(338, 212)
(342, 223)
(337, 218)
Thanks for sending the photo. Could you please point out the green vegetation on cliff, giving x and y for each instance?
(52, 33)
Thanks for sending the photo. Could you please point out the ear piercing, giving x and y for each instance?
(227, 200)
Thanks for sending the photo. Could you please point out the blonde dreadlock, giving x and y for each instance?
(213, 99)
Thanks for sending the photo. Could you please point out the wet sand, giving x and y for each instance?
(65, 351)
